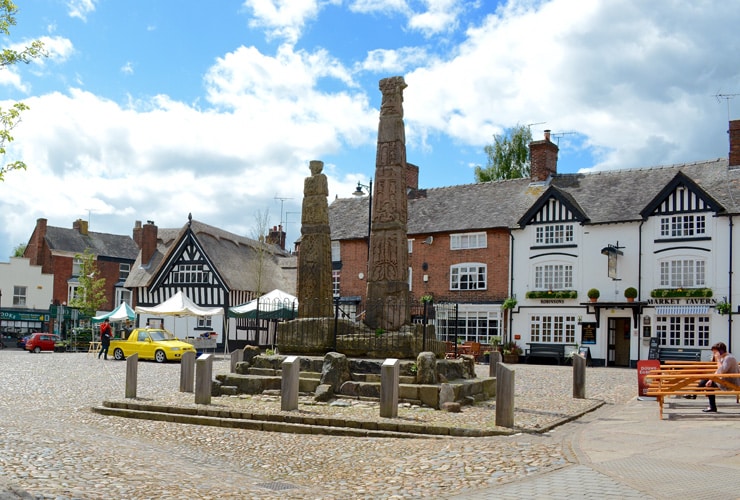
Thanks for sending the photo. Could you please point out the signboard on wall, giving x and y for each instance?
(588, 333)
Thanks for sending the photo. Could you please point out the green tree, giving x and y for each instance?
(9, 118)
(508, 156)
(260, 233)
(90, 295)
(19, 250)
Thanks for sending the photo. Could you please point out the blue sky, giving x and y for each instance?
(150, 110)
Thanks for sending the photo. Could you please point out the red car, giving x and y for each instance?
(42, 342)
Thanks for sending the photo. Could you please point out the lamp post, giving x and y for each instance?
(360, 192)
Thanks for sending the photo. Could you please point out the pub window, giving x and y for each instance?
(553, 277)
(683, 331)
(552, 328)
(554, 234)
(682, 226)
(682, 273)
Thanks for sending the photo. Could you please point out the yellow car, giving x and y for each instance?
(150, 343)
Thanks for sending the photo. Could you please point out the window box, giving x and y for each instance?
(552, 294)
(680, 292)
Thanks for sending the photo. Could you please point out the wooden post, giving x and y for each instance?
(187, 371)
(504, 396)
(289, 383)
(494, 359)
(132, 365)
(203, 375)
(579, 376)
(236, 357)
(389, 373)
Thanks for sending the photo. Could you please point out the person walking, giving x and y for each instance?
(105, 336)
(726, 363)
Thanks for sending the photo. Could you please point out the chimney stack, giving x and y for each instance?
(137, 233)
(148, 241)
(81, 226)
(734, 143)
(543, 159)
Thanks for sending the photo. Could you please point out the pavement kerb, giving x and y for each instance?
(296, 423)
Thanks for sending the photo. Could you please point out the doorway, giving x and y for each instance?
(618, 347)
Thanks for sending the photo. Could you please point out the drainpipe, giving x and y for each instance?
(729, 279)
(511, 280)
(639, 285)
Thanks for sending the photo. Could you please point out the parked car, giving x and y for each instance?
(20, 342)
(150, 343)
(41, 342)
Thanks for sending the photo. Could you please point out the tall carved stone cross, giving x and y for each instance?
(387, 284)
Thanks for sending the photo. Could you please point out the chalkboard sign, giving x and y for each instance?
(653, 352)
(585, 351)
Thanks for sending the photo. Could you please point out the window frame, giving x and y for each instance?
(455, 272)
(682, 272)
(540, 271)
(565, 229)
(462, 241)
(683, 225)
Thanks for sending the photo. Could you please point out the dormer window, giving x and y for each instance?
(554, 234)
(683, 226)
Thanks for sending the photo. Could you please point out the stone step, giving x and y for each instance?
(375, 377)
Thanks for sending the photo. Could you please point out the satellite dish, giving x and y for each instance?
(429, 240)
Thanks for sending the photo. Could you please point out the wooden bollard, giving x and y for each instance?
(187, 371)
(579, 376)
(389, 376)
(494, 359)
(203, 375)
(132, 374)
(504, 396)
(289, 383)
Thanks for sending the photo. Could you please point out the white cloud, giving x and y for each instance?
(620, 73)
(394, 60)
(284, 19)
(128, 68)
(384, 6)
(439, 16)
(81, 8)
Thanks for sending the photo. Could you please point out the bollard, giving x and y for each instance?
(579, 376)
(203, 375)
(289, 383)
(504, 396)
(493, 361)
(389, 372)
(132, 365)
(236, 357)
(187, 371)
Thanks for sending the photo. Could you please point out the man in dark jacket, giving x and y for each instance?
(105, 336)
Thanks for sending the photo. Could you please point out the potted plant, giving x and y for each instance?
(427, 298)
(723, 307)
(512, 351)
(630, 293)
(509, 303)
(593, 294)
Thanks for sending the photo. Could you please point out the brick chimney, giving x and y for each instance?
(137, 233)
(277, 236)
(81, 226)
(35, 249)
(734, 143)
(543, 158)
(412, 176)
(148, 241)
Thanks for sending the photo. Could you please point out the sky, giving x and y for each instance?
(153, 110)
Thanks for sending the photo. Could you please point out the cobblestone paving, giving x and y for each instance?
(53, 446)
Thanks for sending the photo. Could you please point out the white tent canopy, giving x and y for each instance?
(268, 302)
(180, 305)
(120, 313)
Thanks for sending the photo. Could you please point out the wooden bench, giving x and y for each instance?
(678, 354)
(555, 351)
(681, 378)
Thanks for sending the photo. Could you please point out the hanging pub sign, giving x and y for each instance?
(611, 252)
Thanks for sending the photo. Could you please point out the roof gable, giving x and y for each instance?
(554, 205)
(681, 195)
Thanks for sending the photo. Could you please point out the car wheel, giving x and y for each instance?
(118, 354)
(160, 356)
(37, 349)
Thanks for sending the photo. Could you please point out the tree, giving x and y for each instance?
(260, 233)
(19, 250)
(9, 118)
(90, 295)
(508, 156)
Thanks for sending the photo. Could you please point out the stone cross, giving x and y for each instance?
(387, 284)
(314, 257)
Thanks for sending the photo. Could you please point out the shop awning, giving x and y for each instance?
(681, 310)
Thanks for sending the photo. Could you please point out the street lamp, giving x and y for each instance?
(360, 192)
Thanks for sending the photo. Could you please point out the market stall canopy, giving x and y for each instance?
(274, 305)
(120, 313)
(179, 305)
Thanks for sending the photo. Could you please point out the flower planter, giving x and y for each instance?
(511, 358)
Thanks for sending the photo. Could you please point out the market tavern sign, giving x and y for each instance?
(686, 301)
